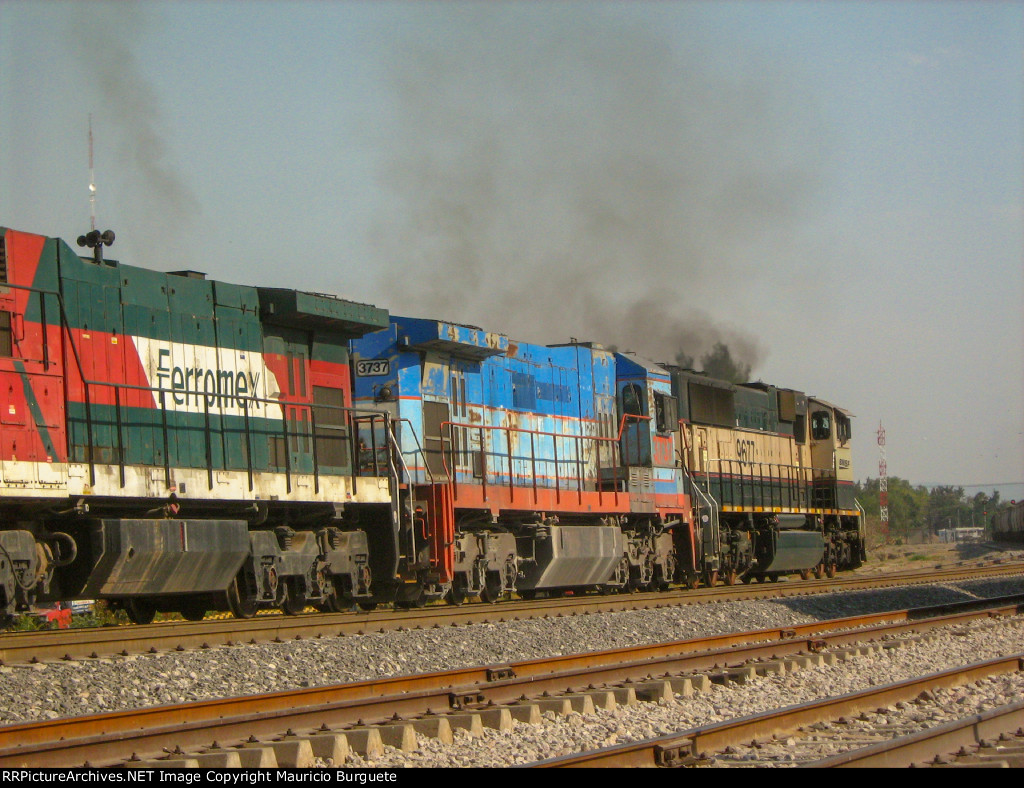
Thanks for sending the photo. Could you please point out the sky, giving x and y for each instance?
(833, 190)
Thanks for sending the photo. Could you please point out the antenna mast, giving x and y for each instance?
(92, 180)
(94, 239)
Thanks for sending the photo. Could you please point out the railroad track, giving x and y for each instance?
(96, 642)
(705, 745)
(986, 739)
(369, 713)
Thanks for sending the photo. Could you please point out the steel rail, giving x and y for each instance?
(112, 736)
(686, 747)
(923, 746)
(20, 647)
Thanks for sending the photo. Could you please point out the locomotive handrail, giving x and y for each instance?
(707, 500)
(800, 478)
(598, 441)
(352, 415)
(419, 450)
(796, 475)
(396, 518)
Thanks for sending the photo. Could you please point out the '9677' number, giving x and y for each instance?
(374, 366)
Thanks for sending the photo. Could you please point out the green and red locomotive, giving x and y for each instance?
(172, 443)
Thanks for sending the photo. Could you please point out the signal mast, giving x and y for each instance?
(883, 484)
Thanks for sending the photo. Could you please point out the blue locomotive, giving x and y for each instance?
(570, 467)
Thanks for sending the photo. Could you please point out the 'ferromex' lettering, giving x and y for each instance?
(217, 386)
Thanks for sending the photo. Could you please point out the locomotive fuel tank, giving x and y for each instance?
(569, 557)
(161, 557)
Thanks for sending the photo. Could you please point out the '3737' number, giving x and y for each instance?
(374, 366)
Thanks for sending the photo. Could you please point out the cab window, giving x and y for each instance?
(821, 425)
(632, 400)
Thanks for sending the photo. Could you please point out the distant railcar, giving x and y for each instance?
(1008, 524)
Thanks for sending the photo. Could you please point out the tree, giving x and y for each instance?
(907, 504)
(947, 508)
(984, 506)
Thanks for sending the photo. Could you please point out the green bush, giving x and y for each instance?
(26, 623)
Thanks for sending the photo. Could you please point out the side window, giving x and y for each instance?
(632, 400)
(666, 412)
(331, 446)
(843, 431)
(821, 425)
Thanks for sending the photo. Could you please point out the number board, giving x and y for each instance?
(373, 367)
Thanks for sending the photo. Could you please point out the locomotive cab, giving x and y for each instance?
(830, 433)
(648, 427)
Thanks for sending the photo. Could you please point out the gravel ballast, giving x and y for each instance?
(59, 689)
(577, 733)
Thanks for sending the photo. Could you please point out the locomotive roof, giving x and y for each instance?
(820, 401)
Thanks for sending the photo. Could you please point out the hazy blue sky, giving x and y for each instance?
(833, 189)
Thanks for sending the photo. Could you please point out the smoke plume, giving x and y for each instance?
(560, 174)
(155, 201)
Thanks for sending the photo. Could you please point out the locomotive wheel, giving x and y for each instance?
(409, 604)
(456, 594)
(748, 578)
(831, 570)
(730, 577)
(241, 605)
(711, 579)
(773, 577)
(193, 611)
(527, 595)
(692, 580)
(805, 574)
(330, 604)
(140, 611)
(491, 592)
(368, 606)
(819, 571)
(293, 602)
